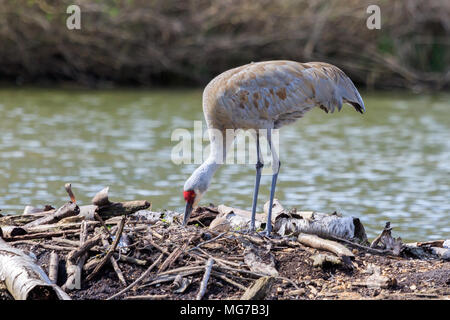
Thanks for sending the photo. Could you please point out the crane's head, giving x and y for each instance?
(192, 199)
(194, 188)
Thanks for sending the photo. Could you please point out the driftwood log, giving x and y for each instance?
(24, 279)
(107, 209)
(22, 219)
(316, 242)
(67, 210)
(8, 232)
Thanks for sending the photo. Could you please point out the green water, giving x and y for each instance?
(391, 164)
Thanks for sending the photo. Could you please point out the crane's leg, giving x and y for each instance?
(276, 168)
(259, 166)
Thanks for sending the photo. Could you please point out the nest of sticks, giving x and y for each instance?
(123, 250)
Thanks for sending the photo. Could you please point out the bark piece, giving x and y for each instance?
(234, 219)
(321, 224)
(387, 242)
(325, 261)
(259, 289)
(24, 279)
(378, 281)
(277, 209)
(259, 260)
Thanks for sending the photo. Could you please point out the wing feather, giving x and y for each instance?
(280, 92)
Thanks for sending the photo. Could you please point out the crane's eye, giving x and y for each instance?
(189, 196)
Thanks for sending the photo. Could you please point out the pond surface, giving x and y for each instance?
(390, 164)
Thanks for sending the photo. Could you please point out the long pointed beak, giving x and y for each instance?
(187, 213)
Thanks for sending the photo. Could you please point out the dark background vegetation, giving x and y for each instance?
(187, 42)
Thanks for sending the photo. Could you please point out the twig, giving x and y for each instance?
(68, 188)
(148, 297)
(182, 269)
(74, 269)
(224, 278)
(204, 283)
(125, 258)
(43, 245)
(99, 219)
(207, 241)
(168, 278)
(110, 251)
(174, 255)
(155, 234)
(42, 235)
(115, 265)
(233, 264)
(163, 250)
(72, 243)
(359, 246)
(142, 276)
(74, 255)
(256, 274)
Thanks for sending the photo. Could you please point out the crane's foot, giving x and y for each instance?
(264, 233)
(247, 230)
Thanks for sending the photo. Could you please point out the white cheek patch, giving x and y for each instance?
(197, 199)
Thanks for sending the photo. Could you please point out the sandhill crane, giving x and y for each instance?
(264, 95)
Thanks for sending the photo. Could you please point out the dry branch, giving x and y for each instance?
(53, 267)
(174, 255)
(204, 283)
(75, 259)
(67, 210)
(316, 242)
(110, 251)
(122, 208)
(22, 219)
(114, 264)
(138, 280)
(42, 235)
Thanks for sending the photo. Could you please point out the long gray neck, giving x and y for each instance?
(207, 170)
